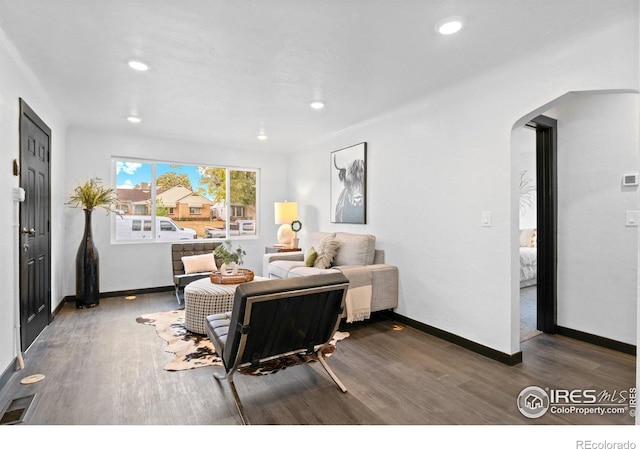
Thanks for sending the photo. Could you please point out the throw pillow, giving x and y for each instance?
(327, 249)
(355, 249)
(528, 238)
(310, 257)
(199, 264)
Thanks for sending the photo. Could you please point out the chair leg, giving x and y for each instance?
(219, 373)
(178, 294)
(236, 398)
(323, 362)
(222, 374)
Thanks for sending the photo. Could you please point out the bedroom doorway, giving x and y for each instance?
(525, 144)
(538, 224)
(547, 219)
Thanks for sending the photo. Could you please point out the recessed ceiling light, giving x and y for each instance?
(134, 119)
(262, 137)
(317, 104)
(450, 25)
(139, 66)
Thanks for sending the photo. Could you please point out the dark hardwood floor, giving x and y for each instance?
(102, 367)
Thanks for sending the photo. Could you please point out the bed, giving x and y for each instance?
(528, 258)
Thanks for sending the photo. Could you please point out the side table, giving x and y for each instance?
(273, 249)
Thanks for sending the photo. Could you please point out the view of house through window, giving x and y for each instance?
(161, 201)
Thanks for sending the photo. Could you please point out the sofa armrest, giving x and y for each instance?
(385, 287)
(268, 258)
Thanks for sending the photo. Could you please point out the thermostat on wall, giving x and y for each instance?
(630, 179)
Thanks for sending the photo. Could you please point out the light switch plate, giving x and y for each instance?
(631, 218)
(485, 219)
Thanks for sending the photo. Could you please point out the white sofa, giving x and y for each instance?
(356, 257)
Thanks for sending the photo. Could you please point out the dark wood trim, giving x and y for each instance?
(139, 291)
(547, 221)
(58, 308)
(597, 340)
(507, 359)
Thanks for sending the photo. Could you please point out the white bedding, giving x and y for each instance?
(528, 266)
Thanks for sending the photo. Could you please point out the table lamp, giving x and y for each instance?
(285, 214)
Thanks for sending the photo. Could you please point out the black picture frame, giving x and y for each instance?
(349, 184)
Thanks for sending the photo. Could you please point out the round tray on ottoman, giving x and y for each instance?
(243, 275)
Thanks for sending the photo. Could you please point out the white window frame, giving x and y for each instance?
(154, 163)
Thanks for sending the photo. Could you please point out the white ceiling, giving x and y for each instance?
(223, 71)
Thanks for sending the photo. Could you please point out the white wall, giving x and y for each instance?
(434, 166)
(17, 81)
(597, 253)
(148, 265)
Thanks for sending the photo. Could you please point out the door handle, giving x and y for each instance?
(26, 247)
(30, 231)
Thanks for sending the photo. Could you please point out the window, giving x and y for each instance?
(187, 201)
(166, 226)
(237, 211)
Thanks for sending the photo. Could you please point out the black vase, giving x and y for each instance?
(87, 269)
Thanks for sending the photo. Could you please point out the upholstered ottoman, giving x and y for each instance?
(203, 298)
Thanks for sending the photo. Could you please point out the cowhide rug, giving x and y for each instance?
(195, 350)
(191, 350)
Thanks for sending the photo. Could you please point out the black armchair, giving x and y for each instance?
(276, 319)
(178, 250)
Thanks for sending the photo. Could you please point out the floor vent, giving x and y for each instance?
(15, 411)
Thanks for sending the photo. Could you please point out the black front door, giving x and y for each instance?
(34, 234)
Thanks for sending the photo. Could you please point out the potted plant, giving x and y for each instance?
(296, 226)
(89, 195)
(231, 258)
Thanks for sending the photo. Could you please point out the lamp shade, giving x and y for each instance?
(286, 212)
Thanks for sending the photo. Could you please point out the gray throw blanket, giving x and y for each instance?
(358, 299)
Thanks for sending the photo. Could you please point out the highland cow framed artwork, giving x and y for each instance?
(349, 184)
